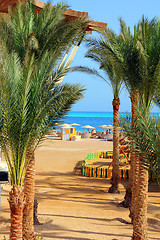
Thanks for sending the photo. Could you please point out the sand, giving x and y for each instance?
(75, 207)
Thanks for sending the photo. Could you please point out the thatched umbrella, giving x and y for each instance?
(104, 127)
(88, 127)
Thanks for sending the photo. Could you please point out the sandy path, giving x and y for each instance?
(75, 207)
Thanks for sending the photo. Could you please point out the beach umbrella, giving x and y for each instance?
(109, 126)
(88, 127)
(65, 125)
(104, 126)
(75, 124)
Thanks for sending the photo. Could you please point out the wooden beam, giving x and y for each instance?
(4, 4)
(69, 13)
(72, 14)
(95, 24)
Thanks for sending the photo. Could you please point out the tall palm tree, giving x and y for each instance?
(35, 43)
(122, 51)
(27, 97)
(132, 80)
(136, 60)
(98, 52)
(148, 33)
(147, 37)
(144, 136)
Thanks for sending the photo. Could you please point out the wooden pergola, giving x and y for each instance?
(69, 13)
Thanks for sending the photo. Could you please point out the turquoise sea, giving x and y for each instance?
(95, 119)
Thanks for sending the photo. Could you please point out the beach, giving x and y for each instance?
(74, 207)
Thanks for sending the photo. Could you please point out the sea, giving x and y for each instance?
(94, 119)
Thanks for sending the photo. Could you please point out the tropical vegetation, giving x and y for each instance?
(32, 100)
(32, 46)
(145, 90)
(133, 59)
(98, 52)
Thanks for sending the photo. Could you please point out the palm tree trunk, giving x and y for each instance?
(135, 179)
(16, 202)
(29, 185)
(128, 196)
(115, 171)
(134, 168)
(140, 213)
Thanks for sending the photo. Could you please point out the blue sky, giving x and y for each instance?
(98, 96)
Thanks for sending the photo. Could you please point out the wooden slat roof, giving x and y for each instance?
(69, 13)
(4, 4)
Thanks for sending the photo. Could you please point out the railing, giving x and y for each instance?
(106, 172)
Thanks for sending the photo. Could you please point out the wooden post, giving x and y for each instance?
(103, 173)
(109, 173)
(94, 172)
(98, 172)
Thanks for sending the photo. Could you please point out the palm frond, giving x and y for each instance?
(31, 98)
(144, 136)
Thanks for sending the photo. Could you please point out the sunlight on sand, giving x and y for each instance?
(75, 207)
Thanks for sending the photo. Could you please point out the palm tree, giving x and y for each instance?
(138, 58)
(147, 37)
(144, 136)
(148, 33)
(123, 53)
(118, 54)
(98, 51)
(132, 79)
(27, 97)
(34, 55)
